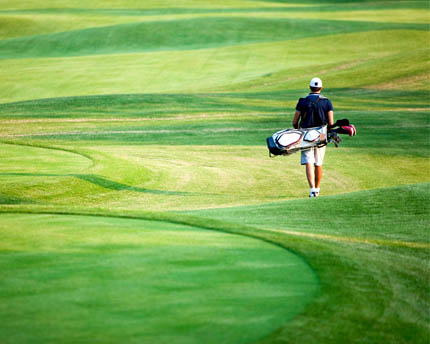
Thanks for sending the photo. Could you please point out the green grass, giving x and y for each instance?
(372, 234)
(179, 35)
(138, 202)
(153, 278)
(218, 69)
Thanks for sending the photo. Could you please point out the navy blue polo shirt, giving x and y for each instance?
(316, 119)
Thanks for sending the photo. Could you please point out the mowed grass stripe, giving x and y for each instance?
(180, 35)
(353, 240)
(212, 69)
(372, 106)
(147, 175)
(139, 132)
(161, 5)
(22, 25)
(159, 8)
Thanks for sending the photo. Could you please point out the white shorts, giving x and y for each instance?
(313, 156)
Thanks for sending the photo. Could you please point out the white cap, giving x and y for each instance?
(315, 82)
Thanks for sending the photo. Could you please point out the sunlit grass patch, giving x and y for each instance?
(132, 4)
(203, 70)
(13, 26)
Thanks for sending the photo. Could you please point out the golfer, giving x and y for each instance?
(313, 111)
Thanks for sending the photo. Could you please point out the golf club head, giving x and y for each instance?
(347, 130)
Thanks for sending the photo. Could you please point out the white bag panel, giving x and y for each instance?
(288, 139)
(312, 135)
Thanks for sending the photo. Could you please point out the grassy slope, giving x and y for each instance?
(213, 68)
(195, 138)
(178, 35)
(374, 232)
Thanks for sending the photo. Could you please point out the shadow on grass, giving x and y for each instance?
(96, 180)
(12, 200)
(112, 185)
(168, 105)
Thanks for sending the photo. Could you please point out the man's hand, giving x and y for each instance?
(296, 119)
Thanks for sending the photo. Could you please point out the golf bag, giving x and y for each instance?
(289, 141)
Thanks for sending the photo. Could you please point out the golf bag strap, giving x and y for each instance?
(308, 105)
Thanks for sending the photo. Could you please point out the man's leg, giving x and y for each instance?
(319, 157)
(308, 159)
(310, 174)
(318, 176)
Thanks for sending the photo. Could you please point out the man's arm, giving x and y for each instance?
(297, 117)
(330, 117)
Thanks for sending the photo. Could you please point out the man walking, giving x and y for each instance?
(313, 111)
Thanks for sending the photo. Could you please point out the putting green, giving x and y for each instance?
(97, 279)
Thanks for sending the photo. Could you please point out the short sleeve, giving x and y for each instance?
(299, 106)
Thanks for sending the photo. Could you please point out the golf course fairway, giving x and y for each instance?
(138, 201)
(155, 280)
